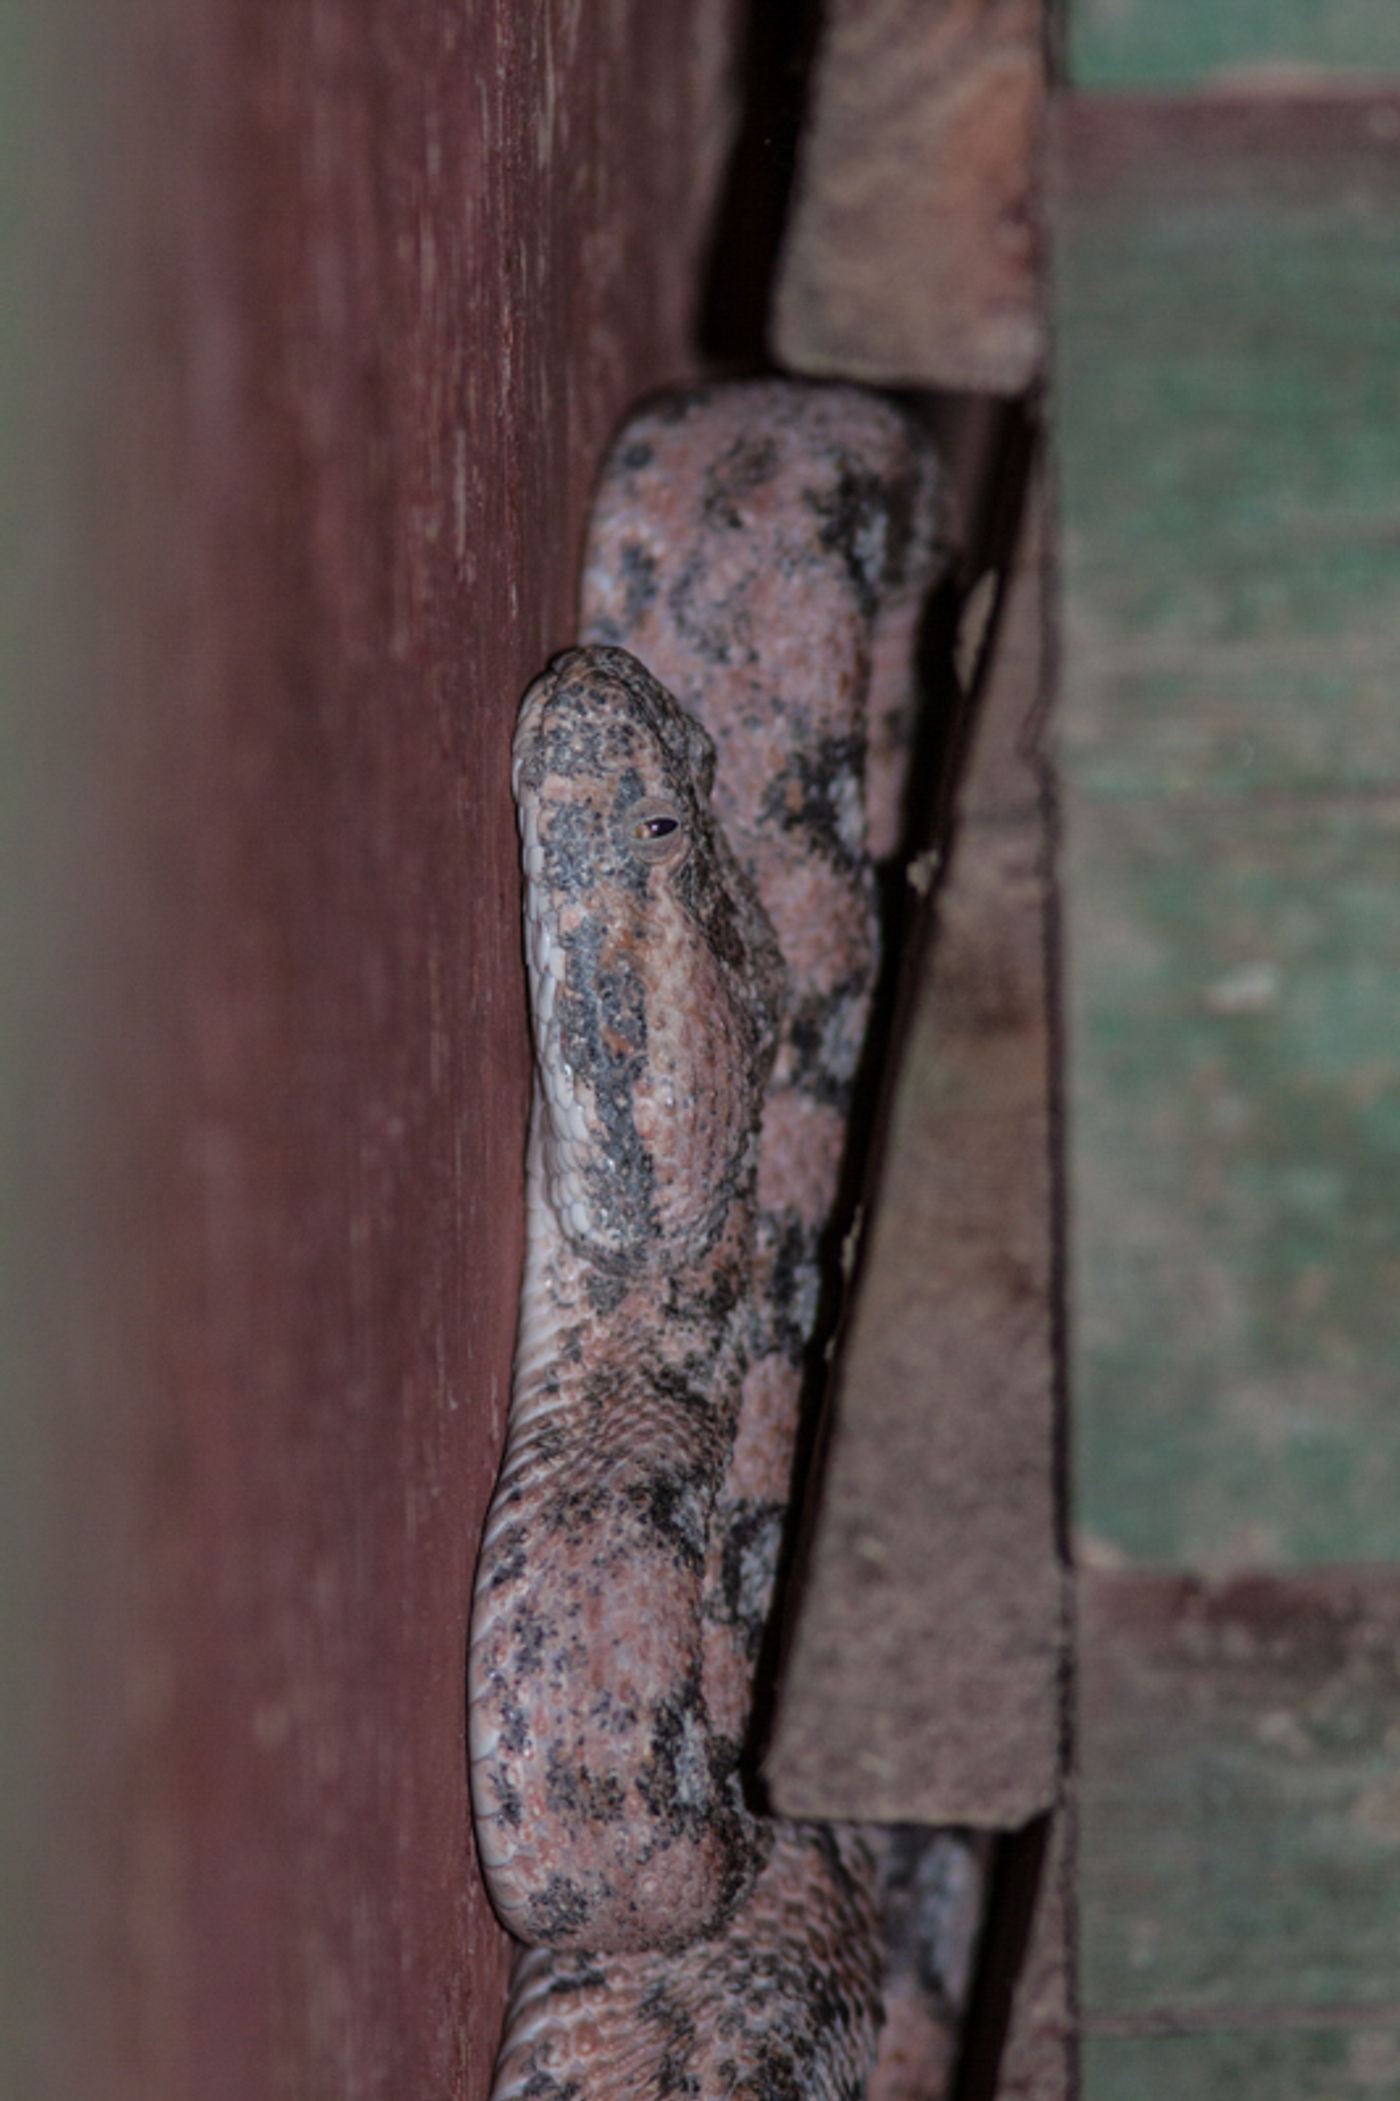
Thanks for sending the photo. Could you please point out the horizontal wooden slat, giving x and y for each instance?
(1144, 43)
(1338, 2063)
(1239, 1806)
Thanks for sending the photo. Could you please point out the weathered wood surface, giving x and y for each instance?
(912, 255)
(1228, 331)
(1240, 1811)
(1224, 44)
(921, 1682)
(1230, 318)
(375, 283)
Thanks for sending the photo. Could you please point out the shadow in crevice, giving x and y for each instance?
(1021, 1868)
(779, 43)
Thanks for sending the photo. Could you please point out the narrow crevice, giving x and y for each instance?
(779, 44)
(1014, 1888)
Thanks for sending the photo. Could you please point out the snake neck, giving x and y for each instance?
(607, 1361)
(607, 1805)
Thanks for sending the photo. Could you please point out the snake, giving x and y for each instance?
(704, 787)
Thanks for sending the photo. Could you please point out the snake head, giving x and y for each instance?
(655, 980)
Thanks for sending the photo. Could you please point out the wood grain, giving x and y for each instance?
(376, 281)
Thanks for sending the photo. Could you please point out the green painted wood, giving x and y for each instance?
(1228, 323)
(1325, 2064)
(1235, 1098)
(1180, 43)
(1228, 303)
(1239, 1837)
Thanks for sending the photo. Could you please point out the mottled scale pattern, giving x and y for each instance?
(763, 548)
(786, 2007)
(605, 1797)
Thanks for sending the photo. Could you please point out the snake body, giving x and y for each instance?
(700, 978)
(607, 1808)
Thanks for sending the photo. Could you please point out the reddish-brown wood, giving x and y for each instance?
(385, 273)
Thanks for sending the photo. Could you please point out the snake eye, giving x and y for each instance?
(656, 830)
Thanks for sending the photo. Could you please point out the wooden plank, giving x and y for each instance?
(1238, 1801)
(1227, 298)
(1354, 2063)
(1115, 44)
(912, 254)
(375, 285)
(1236, 1015)
(1228, 331)
(1230, 645)
(921, 1681)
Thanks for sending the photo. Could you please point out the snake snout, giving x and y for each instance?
(645, 947)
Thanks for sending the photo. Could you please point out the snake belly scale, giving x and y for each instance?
(701, 951)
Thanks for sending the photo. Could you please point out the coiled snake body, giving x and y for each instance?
(700, 976)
